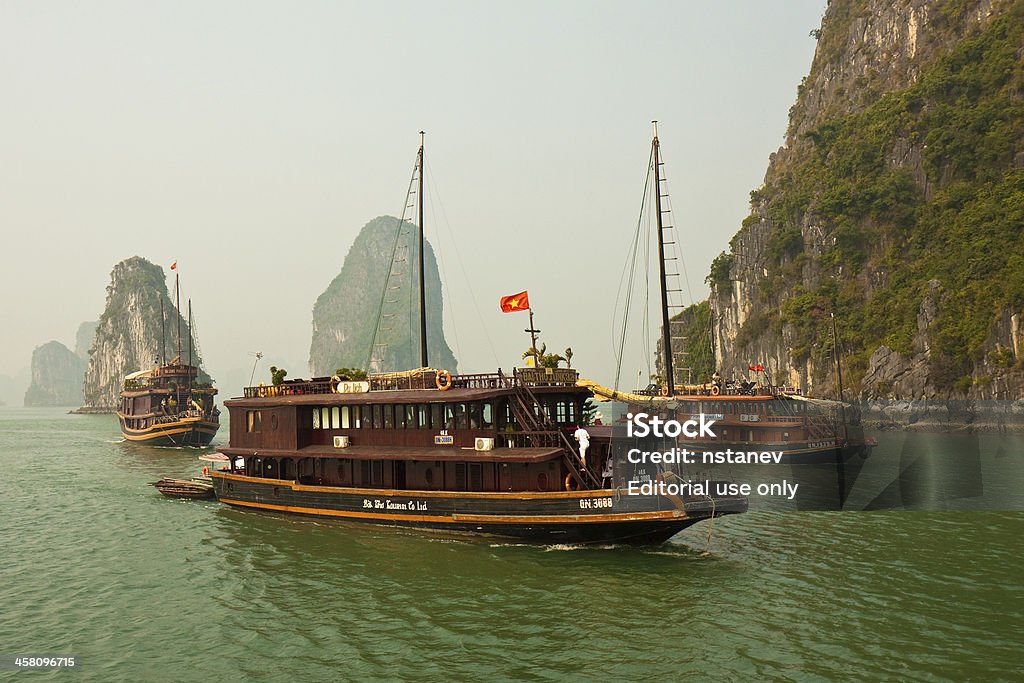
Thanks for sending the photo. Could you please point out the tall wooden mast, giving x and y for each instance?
(177, 311)
(423, 293)
(666, 337)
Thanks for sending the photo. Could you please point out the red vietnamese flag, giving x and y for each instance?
(515, 302)
(757, 368)
(174, 265)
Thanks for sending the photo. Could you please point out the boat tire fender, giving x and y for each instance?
(568, 482)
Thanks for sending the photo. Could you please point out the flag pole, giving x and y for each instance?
(533, 340)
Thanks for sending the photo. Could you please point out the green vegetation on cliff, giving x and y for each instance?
(925, 184)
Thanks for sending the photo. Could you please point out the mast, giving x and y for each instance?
(190, 333)
(163, 334)
(423, 293)
(839, 377)
(666, 337)
(177, 308)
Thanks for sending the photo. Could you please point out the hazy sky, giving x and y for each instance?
(250, 141)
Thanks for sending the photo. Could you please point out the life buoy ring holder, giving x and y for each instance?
(336, 380)
(447, 384)
(568, 482)
(715, 391)
(206, 472)
(664, 390)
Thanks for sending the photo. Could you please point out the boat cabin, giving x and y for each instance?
(416, 431)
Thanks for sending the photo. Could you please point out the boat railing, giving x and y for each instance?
(291, 388)
(712, 391)
(424, 378)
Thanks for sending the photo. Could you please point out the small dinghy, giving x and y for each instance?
(185, 488)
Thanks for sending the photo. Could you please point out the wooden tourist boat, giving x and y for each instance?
(484, 453)
(168, 405)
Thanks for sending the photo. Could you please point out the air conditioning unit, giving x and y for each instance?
(484, 444)
(341, 442)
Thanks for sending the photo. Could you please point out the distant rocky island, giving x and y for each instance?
(128, 334)
(345, 315)
(57, 374)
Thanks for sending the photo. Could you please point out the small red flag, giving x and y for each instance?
(515, 302)
(174, 265)
(757, 368)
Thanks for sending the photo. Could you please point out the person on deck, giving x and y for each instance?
(583, 438)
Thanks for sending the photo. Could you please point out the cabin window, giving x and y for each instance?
(461, 417)
(378, 416)
(410, 417)
(542, 481)
(449, 416)
(488, 416)
(437, 415)
(474, 416)
(424, 418)
(355, 417)
(785, 436)
(345, 419)
(325, 418)
(254, 421)
(561, 412)
(476, 476)
(335, 417)
(316, 418)
(389, 417)
(399, 417)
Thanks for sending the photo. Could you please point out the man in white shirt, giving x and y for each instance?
(583, 437)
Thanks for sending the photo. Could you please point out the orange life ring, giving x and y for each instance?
(664, 390)
(447, 380)
(715, 391)
(568, 482)
(206, 471)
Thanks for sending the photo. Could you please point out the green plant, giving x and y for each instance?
(277, 375)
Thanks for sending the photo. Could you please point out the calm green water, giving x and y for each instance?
(95, 563)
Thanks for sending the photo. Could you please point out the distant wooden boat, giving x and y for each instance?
(168, 405)
(185, 488)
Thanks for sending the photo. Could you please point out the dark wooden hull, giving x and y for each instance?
(570, 517)
(183, 488)
(193, 432)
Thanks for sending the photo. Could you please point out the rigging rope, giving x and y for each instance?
(462, 268)
(391, 267)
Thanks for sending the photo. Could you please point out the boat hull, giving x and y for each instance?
(570, 517)
(188, 432)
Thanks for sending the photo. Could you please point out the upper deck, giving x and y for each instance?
(417, 386)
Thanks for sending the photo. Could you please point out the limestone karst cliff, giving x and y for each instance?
(128, 334)
(56, 376)
(345, 315)
(897, 204)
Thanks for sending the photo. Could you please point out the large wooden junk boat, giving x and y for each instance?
(481, 453)
(169, 405)
(752, 413)
(472, 453)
